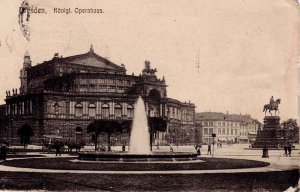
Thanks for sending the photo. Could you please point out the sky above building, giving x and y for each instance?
(247, 50)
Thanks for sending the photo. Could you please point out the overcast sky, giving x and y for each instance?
(248, 49)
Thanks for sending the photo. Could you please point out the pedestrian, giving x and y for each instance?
(285, 148)
(57, 148)
(123, 148)
(198, 152)
(171, 148)
(289, 148)
(209, 149)
(3, 151)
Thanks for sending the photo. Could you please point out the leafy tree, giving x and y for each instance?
(123, 126)
(291, 129)
(126, 126)
(109, 127)
(25, 132)
(156, 124)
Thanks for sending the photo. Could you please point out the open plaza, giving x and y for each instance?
(230, 168)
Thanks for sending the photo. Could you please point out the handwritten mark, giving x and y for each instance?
(24, 15)
(6, 41)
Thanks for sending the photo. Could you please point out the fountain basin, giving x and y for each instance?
(128, 157)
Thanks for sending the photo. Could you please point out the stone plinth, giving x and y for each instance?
(271, 136)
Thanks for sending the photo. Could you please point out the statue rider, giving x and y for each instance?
(271, 101)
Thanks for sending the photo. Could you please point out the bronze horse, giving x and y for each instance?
(272, 107)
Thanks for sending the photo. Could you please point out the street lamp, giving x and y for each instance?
(213, 136)
(265, 149)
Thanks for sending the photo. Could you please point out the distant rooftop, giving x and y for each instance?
(218, 116)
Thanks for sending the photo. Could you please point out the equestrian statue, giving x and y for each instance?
(272, 106)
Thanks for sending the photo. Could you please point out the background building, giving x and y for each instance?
(63, 96)
(3, 123)
(228, 127)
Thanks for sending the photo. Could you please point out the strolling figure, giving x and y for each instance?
(57, 148)
(285, 148)
(198, 152)
(289, 148)
(171, 148)
(3, 152)
(209, 149)
(1, 155)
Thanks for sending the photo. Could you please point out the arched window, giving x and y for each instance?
(105, 110)
(92, 110)
(154, 95)
(118, 110)
(130, 111)
(78, 130)
(25, 132)
(78, 110)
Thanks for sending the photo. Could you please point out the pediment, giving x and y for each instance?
(94, 60)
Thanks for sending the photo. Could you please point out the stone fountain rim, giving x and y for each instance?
(160, 156)
(112, 153)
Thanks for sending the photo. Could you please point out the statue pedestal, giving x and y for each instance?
(271, 136)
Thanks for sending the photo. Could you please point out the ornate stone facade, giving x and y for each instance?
(63, 96)
(227, 127)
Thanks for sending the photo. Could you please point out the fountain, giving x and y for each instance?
(139, 137)
(139, 145)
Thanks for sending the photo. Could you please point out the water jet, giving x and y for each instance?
(139, 145)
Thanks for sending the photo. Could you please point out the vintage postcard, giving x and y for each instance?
(138, 95)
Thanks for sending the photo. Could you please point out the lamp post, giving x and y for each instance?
(283, 136)
(265, 149)
(213, 136)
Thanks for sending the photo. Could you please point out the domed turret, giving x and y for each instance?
(27, 60)
(23, 72)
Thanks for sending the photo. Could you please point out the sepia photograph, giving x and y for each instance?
(136, 95)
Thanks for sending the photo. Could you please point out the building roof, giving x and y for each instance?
(218, 116)
(90, 59)
(94, 60)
